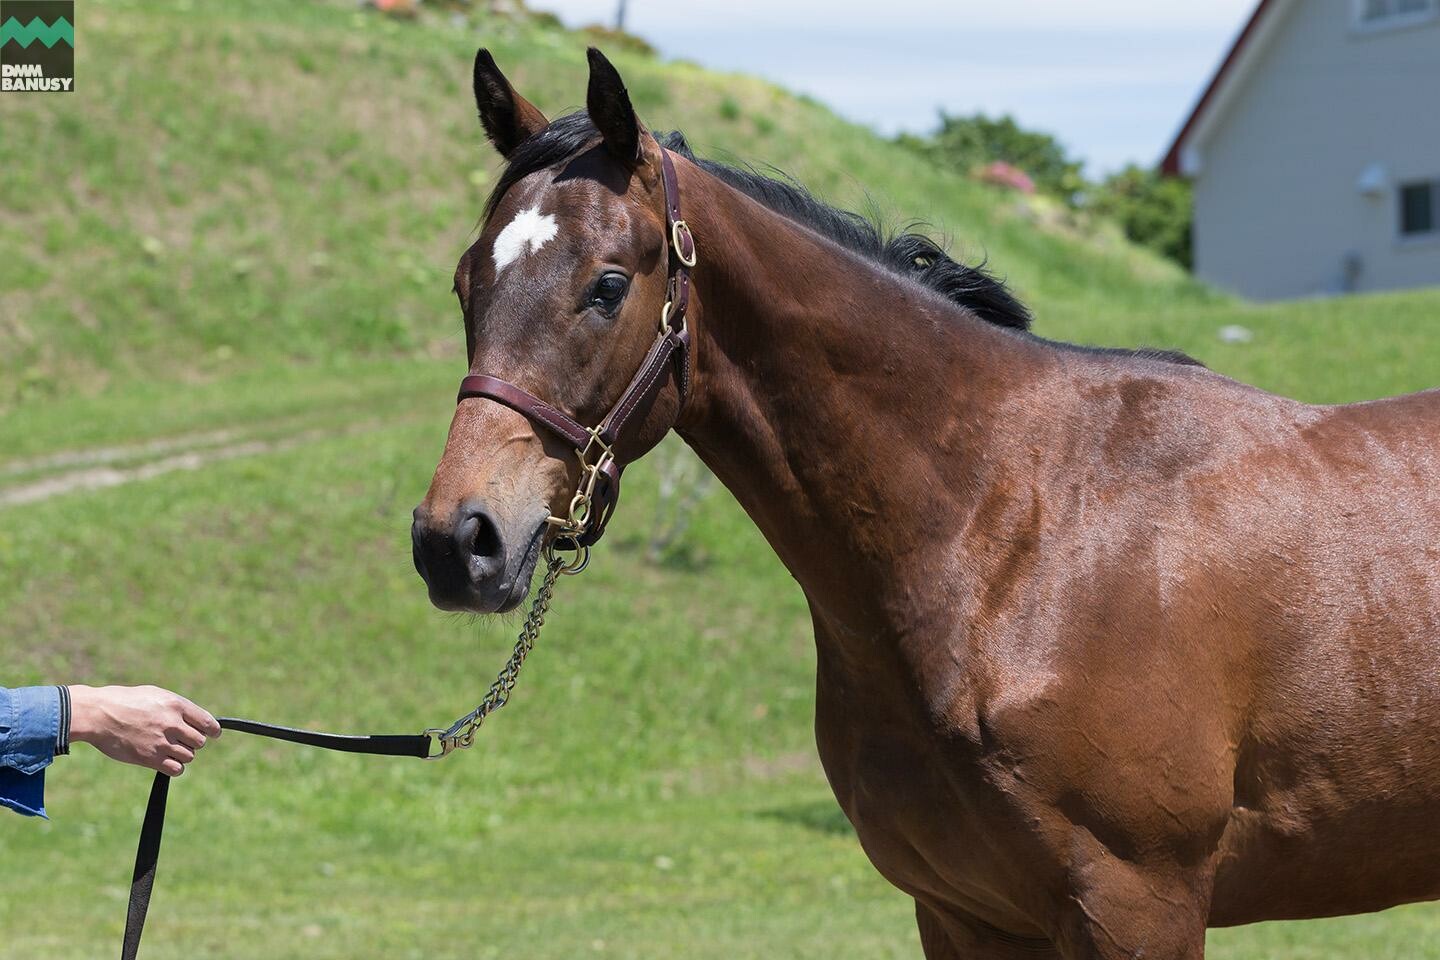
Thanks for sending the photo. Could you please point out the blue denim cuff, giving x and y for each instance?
(29, 727)
(23, 792)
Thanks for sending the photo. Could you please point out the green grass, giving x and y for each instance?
(264, 249)
(652, 790)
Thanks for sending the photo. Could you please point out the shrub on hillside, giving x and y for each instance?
(970, 143)
(1154, 211)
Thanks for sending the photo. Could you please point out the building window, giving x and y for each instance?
(1386, 13)
(1419, 204)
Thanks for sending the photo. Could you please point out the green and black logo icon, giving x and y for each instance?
(37, 46)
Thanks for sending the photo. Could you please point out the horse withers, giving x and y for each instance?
(1111, 648)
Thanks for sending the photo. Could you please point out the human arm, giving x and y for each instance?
(146, 726)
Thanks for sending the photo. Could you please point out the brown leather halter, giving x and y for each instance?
(600, 467)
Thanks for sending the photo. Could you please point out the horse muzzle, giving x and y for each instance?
(473, 561)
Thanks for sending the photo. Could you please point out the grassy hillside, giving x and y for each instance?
(241, 183)
(225, 326)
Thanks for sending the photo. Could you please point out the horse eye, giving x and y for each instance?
(609, 291)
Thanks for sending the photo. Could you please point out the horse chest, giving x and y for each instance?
(923, 807)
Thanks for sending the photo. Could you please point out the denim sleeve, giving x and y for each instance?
(29, 727)
(30, 731)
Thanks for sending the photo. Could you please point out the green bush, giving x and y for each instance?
(1154, 211)
(964, 143)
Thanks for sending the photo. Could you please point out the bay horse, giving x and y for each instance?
(1111, 648)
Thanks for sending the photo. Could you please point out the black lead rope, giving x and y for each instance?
(148, 853)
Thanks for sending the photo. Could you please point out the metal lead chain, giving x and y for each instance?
(461, 733)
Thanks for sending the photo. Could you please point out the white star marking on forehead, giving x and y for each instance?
(525, 234)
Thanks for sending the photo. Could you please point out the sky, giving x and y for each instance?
(1113, 79)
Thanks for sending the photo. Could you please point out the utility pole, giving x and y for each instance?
(620, 16)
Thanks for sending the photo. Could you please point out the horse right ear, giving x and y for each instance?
(608, 104)
(508, 118)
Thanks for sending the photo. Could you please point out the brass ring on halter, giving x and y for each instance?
(675, 230)
(579, 510)
(575, 564)
(665, 319)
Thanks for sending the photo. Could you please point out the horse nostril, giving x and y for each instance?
(462, 558)
(477, 540)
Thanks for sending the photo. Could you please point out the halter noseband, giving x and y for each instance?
(599, 488)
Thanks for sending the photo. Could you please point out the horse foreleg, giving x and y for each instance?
(1119, 911)
(945, 935)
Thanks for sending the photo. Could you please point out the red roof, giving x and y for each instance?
(1170, 166)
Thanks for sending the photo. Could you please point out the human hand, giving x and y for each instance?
(146, 726)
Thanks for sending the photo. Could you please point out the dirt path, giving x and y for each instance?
(96, 456)
(190, 452)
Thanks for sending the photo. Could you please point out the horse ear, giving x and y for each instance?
(609, 106)
(509, 119)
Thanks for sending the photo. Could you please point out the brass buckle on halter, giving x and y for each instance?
(665, 318)
(677, 228)
(573, 525)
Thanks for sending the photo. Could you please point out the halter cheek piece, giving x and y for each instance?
(600, 468)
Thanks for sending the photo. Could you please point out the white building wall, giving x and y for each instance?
(1278, 212)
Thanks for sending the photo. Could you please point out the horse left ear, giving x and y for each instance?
(609, 106)
(508, 118)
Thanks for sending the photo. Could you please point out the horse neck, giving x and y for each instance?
(849, 411)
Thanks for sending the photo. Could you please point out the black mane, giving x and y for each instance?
(909, 255)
